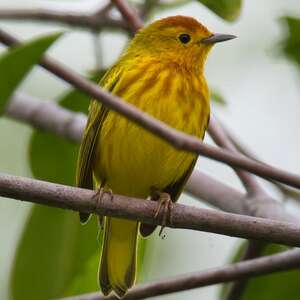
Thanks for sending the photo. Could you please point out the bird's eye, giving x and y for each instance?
(184, 38)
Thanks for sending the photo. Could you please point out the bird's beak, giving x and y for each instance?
(217, 38)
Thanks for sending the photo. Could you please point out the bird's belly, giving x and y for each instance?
(132, 161)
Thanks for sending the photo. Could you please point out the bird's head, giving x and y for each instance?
(177, 39)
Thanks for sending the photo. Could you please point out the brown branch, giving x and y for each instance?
(129, 14)
(178, 139)
(285, 261)
(229, 199)
(51, 117)
(219, 136)
(286, 191)
(48, 116)
(183, 216)
(95, 21)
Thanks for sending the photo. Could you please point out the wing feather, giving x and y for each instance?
(97, 115)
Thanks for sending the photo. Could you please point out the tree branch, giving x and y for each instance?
(129, 14)
(94, 22)
(48, 116)
(287, 260)
(178, 139)
(219, 136)
(51, 117)
(229, 199)
(183, 216)
(286, 191)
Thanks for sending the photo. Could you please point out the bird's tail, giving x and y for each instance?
(117, 268)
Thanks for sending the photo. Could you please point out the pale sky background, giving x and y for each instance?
(263, 95)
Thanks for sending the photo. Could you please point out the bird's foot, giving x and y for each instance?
(165, 206)
(98, 197)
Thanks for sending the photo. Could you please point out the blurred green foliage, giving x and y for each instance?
(51, 253)
(18, 61)
(54, 246)
(291, 42)
(276, 286)
(229, 10)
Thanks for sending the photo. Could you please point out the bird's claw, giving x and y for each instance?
(98, 197)
(165, 205)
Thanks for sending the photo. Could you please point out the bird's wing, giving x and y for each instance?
(97, 115)
(175, 189)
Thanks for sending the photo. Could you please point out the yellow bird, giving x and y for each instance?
(161, 73)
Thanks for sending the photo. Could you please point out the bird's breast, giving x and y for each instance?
(132, 160)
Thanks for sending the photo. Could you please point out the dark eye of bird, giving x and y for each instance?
(184, 38)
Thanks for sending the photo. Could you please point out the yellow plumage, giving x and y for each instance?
(162, 74)
(125, 150)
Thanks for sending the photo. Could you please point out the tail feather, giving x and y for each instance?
(117, 269)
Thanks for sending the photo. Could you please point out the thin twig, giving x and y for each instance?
(48, 116)
(178, 139)
(95, 21)
(183, 216)
(218, 135)
(286, 191)
(287, 260)
(129, 14)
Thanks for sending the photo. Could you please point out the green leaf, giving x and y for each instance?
(54, 245)
(87, 280)
(18, 61)
(291, 42)
(229, 10)
(277, 286)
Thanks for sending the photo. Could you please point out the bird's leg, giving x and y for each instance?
(98, 197)
(165, 205)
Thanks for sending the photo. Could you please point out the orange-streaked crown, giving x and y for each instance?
(186, 23)
(162, 40)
